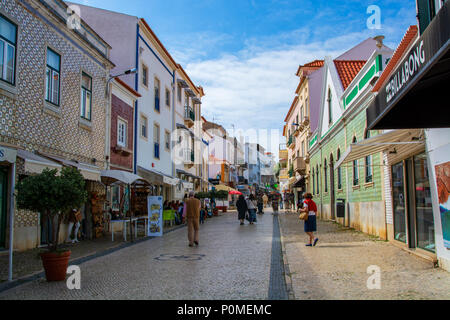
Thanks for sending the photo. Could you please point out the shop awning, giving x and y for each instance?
(89, 172)
(37, 164)
(387, 142)
(110, 177)
(7, 155)
(190, 93)
(154, 176)
(416, 94)
(300, 183)
(222, 187)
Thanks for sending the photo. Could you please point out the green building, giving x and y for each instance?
(357, 188)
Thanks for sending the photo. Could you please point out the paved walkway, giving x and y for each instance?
(337, 267)
(233, 262)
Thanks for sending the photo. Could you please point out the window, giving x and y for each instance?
(368, 165)
(355, 169)
(157, 96)
(179, 92)
(8, 40)
(325, 170)
(330, 107)
(339, 170)
(317, 180)
(121, 133)
(52, 77)
(314, 182)
(167, 97)
(167, 140)
(144, 75)
(156, 140)
(302, 115)
(115, 197)
(399, 202)
(144, 127)
(86, 97)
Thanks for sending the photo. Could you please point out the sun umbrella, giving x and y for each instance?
(234, 192)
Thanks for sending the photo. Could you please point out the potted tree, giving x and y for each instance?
(53, 195)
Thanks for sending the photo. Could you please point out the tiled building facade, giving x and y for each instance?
(28, 120)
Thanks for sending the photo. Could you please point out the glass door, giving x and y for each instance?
(399, 202)
(424, 208)
(3, 205)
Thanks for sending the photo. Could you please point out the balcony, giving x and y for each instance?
(291, 142)
(300, 165)
(189, 157)
(284, 174)
(189, 116)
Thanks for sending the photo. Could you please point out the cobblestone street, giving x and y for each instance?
(232, 262)
(337, 267)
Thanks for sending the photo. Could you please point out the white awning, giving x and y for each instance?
(171, 181)
(387, 142)
(7, 155)
(110, 177)
(37, 164)
(88, 172)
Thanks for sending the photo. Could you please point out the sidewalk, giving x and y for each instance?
(337, 267)
(29, 263)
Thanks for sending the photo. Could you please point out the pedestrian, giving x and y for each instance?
(260, 204)
(275, 203)
(242, 208)
(251, 205)
(310, 207)
(192, 208)
(202, 214)
(266, 200)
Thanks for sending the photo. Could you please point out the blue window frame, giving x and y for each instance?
(8, 42)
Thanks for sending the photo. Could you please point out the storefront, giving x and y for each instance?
(415, 97)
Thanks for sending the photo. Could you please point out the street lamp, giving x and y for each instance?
(130, 71)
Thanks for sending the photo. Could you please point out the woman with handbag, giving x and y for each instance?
(309, 215)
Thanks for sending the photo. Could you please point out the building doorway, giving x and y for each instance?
(3, 205)
(332, 189)
(413, 211)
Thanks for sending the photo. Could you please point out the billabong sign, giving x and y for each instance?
(407, 70)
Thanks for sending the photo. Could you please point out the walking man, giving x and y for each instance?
(193, 219)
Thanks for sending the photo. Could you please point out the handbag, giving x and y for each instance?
(304, 216)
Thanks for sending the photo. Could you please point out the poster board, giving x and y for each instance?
(155, 216)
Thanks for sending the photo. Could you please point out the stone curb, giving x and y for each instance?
(287, 271)
(30, 278)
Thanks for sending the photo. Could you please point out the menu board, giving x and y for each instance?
(155, 216)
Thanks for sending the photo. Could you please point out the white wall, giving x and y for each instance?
(336, 106)
(145, 155)
(438, 148)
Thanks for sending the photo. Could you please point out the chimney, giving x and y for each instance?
(379, 40)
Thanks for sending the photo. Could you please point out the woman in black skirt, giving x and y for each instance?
(242, 208)
(311, 224)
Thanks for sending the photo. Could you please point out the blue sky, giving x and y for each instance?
(245, 52)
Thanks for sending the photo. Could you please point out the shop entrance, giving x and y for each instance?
(413, 211)
(3, 205)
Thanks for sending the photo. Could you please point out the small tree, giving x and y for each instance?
(52, 196)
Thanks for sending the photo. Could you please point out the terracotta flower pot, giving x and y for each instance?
(55, 265)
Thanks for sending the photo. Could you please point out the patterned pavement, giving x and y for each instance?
(233, 262)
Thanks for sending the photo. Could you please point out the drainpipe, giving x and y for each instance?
(136, 107)
(11, 222)
(320, 182)
(173, 128)
(348, 181)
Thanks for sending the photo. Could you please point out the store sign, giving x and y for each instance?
(8, 155)
(188, 185)
(155, 216)
(170, 181)
(407, 70)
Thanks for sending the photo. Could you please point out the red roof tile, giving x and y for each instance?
(409, 36)
(348, 69)
(311, 65)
